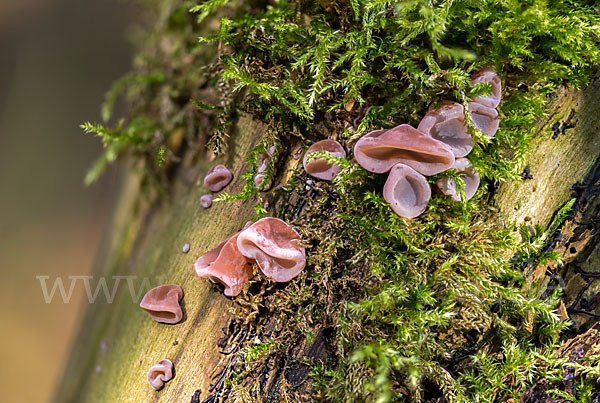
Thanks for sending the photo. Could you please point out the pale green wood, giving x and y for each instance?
(556, 164)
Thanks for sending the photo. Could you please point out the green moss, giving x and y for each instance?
(414, 309)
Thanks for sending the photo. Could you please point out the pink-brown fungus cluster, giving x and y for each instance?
(319, 167)
(162, 303)
(270, 242)
(217, 178)
(160, 373)
(440, 142)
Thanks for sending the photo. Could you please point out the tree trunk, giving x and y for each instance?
(118, 343)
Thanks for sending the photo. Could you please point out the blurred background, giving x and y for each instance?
(57, 59)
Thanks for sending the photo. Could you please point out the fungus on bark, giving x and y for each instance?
(206, 201)
(162, 303)
(488, 75)
(217, 178)
(485, 118)
(447, 124)
(275, 247)
(407, 191)
(262, 163)
(467, 173)
(226, 265)
(160, 373)
(319, 167)
(380, 150)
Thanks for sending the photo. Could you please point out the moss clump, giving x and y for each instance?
(406, 310)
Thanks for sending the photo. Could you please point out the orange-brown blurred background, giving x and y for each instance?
(57, 59)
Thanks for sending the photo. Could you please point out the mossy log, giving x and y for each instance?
(118, 342)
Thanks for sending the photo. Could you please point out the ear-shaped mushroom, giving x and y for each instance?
(162, 303)
(160, 373)
(447, 124)
(227, 265)
(407, 191)
(485, 119)
(217, 178)
(262, 162)
(380, 150)
(467, 173)
(488, 75)
(320, 168)
(276, 248)
(206, 201)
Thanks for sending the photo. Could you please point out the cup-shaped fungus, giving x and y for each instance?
(407, 191)
(262, 163)
(485, 119)
(447, 124)
(276, 248)
(217, 178)
(319, 167)
(206, 201)
(380, 150)
(488, 75)
(467, 173)
(160, 373)
(226, 265)
(162, 303)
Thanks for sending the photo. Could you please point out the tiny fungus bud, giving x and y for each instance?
(467, 173)
(160, 373)
(321, 168)
(447, 124)
(407, 191)
(217, 178)
(226, 265)
(488, 75)
(186, 248)
(162, 303)
(276, 248)
(485, 119)
(206, 201)
(380, 150)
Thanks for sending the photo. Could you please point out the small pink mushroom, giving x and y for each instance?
(320, 168)
(380, 150)
(217, 178)
(227, 265)
(488, 75)
(407, 191)
(162, 303)
(262, 162)
(447, 124)
(206, 200)
(485, 119)
(276, 248)
(160, 373)
(467, 173)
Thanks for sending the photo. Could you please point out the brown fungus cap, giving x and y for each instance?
(467, 173)
(160, 373)
(217, 178)
(447, 124)
(380, 150)
(275, 247)
(485, 119)
(407, 191)
(226, 265)
(488, 75)
(320, 168)
(162, 303)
